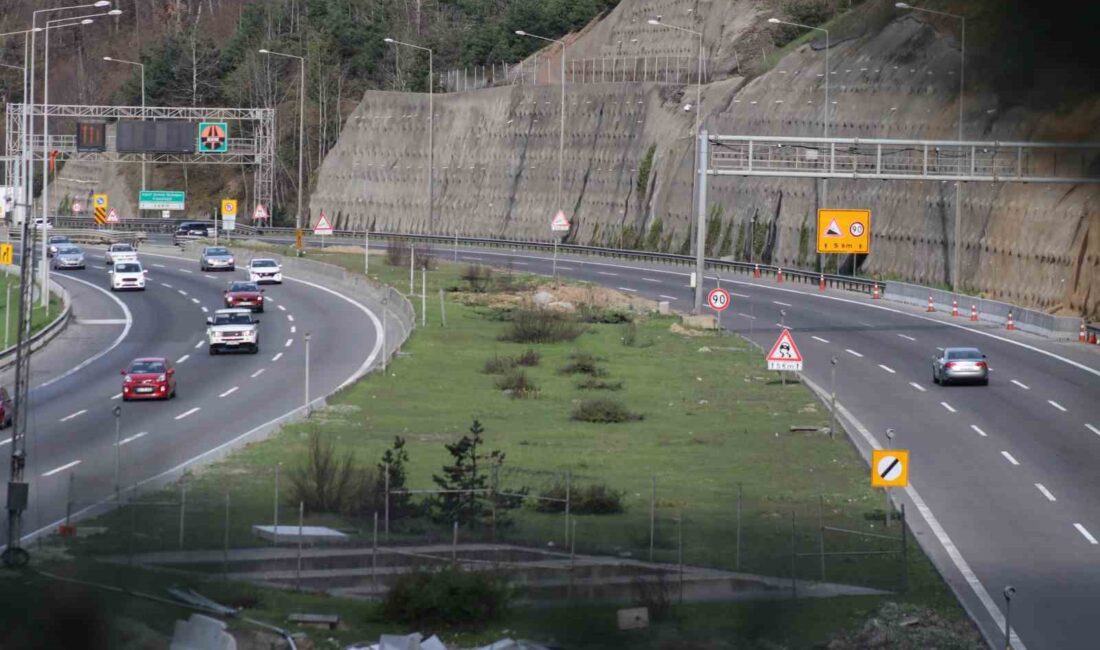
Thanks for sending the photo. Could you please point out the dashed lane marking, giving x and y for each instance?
(205, 310)
(888, 369)
(1056, 405)
(132, 438)
(185, 271)
(1046, 492)
(77, 462)
(195, 300)
(293, 329)
(628, 289)
(782, 304)
(917, 386)
(1092, 429)
(183, 358)
(907, 337)
(1021, 385)
(979, 431)
(661, 295)
(1009, 458)
(853, 353)
(607, 273)
(290, 317)
(257, 373)
(819, 339)
(229, 392)
(653, 280)
(199, 344)
(288, 342)
(188, 412)
(948, 407)
(74, 415)
(159, 266)
(277, 357)
(182, 292)
(281, 308)
(1081, 529)
(116, 396)
(564, 268)
(165, 285)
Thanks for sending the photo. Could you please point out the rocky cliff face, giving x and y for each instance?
(891, 75)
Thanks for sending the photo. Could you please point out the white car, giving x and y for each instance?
(232, 330)
(263, 269)
(120, 253)
(127, 275)
(41, 223)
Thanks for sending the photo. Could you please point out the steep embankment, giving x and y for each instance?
(892, 75)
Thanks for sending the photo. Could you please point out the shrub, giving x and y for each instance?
(446, 597)
(425, 258)
(326, 482)
(541, 326)
(631, 338)
(655, 595)
(587, 313)
(583, 363)
(397, 252)
(498, 364)
(519, 383)
(478, 277)
(599, 384)
(593, 499)
(603, 411)
(530, 358)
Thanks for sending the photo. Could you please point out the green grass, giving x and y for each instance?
(39, 316)
(714, 421)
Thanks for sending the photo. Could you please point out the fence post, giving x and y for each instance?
(275, 519)
(821, 531)
(412, 272)
(680, 552)
(69, 500)
(183, 508)
(493, 496)
(442, 309)
(904, 551)
(387, 503)
(298, 571)
(225, 540)
(374, 557)
(737, 560)
(454, 543)
(424, 297)
(794, 559)
(652, 514)
(568, 500)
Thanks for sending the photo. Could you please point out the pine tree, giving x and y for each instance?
(393, 462)
(466, 499)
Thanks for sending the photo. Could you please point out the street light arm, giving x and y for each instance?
(657, 23)
(397, 42)
(520, 32)
(776, 21)
(289, 56)
(928, 11)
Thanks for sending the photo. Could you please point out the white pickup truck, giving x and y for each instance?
(232, 330)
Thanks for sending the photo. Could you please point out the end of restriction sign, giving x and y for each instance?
(890, 468)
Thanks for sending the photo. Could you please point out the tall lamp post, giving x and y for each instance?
(431, 128)
(301, 139)
(958, 184)
(824, 181)
(21, 165)
(561, 134)
(142, 66)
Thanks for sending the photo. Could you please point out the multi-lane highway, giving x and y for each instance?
(76, 382)
(1005, 486)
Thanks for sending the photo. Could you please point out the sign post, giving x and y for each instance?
(99, 208)
(844, 231)
(889, 468)
(559, 224)
(322, 228)
(719, 300)
(784, 354)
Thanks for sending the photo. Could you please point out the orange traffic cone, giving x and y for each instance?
(1011, 325)
(876, 293)
(973, 312)
(931, 307)
(954, 309)
(821, 284)
(756, 271)
(779, 276)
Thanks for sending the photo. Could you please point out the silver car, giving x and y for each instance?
(55, 242)
(960, 364)
(67, 257)
(217, 258)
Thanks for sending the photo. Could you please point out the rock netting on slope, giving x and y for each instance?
(891, 75)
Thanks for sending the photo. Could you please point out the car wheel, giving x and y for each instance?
(984, 382)
(935, 377)
(260, 310)
(213, 351)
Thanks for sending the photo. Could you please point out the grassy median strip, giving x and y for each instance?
(634, 413)
(9, 285)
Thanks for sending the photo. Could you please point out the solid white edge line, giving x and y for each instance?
(818, 338)
(1009, 458)
(1056, 405)
(979, 431)
(277, 357)
(948, 407)
(1046, 492)
(888, 369)
(229, 392)
(934, 525)
(1021, 385)
(1081, 529)
(917, 386)
(782, 304)
(73, 415)
(62, 468)
(853, 353)
(186, 413)
(114, 344)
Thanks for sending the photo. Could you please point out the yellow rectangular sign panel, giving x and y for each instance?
(843, 231)
(229, 208)
(889, 467)
(6, 254)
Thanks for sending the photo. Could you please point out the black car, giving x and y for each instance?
(193, 230)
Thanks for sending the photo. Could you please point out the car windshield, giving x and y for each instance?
(964, 354)
(243, 286)
(263, 263)
(232, 319)
(121, 248)
(146, 366)
(59, 240)
(217, 251)
(128, 268)
(68, 250)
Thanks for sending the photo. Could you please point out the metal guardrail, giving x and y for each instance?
(91, 236)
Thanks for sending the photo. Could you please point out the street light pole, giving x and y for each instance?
(301, 138)
(307, 374)
(1009, 592)
(431, 129)
(142, 66)
(955, 275)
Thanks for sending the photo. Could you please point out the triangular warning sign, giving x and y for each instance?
(260, 212)
(323, 227)
(833, 230)
(560, 222)
(112, 216)
(785, 350)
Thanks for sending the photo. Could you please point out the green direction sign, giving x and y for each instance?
(213, 137)
(160, 200)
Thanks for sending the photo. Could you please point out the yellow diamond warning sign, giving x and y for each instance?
(843, 231)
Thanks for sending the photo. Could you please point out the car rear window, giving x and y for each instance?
(121, 248)
(964, 354)
(243, 286)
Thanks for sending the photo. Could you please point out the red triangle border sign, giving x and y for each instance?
(785, 355)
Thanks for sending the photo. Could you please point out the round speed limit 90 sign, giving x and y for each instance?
(718, 299)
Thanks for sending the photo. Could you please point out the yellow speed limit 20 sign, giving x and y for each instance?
(229, 208)
(843, 231)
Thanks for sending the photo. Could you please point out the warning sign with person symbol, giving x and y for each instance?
(889, 467)
(213, 137)
(785, 354)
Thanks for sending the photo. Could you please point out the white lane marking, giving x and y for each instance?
(1092, 429)
(853, 353)
(628, 289)
(114, 344)
(182, 292)
(940, 349)
(1046, 492)
(159, 266)
(519, 263)
(271, 300)
(277, 357)
(865, 323)
(1009, 458)
(183, 358)
(116, 396)
(1081, 529)
(782, 304)
(653, 280)
(207, 275)
(748, 316)
(4, 441)
(1021, 385)
(1056, 405)
(948, 407)
(229, 392)
(186, 413)
(184, 271)
(62, 468)
(906, 337)
(818, 338)
(199, 344)
(132, 438)
(564, 268)
(917, 386)
(290, 317)
(205, 310)
(934, 525)
(257, 373)
(606, 273)
(101, 321)
(96, 266)
(784, 326)
(195, 300)
(888, 369)
(661, 295)
(281, 308)
(165, 284)
(73, 415)
(293, 329)
(740, 295)
(288, 342)
(979, 431)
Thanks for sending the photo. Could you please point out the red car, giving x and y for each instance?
(245, 295)
(149, 378)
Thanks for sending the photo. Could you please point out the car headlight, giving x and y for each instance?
(230, 260)
(162, 378)
(127, 379)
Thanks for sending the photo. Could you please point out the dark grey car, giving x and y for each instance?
(958, 365)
